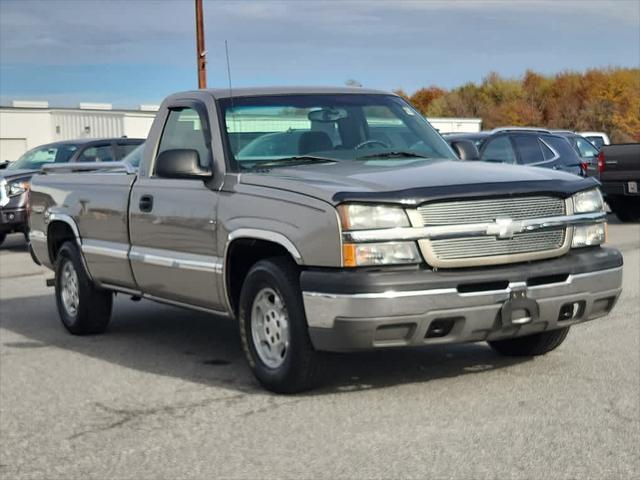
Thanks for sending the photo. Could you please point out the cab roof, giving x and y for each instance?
(262, 91)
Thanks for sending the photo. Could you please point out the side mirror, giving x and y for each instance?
(180, 163)
(465, 149)
(4, 164)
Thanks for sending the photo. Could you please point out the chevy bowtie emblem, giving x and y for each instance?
(504, 228)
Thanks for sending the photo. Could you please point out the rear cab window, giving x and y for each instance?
(124, 149)
(97, 153)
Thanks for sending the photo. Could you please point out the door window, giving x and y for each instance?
(98, 153)
(547, 152)
(529, 149)
(567, 155)
(184, 130)
(499, 150)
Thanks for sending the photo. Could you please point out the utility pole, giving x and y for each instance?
(202, 53)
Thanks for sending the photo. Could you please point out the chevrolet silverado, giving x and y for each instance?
(324, 220)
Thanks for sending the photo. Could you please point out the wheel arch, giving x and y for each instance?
(244, 248)
(60, 229)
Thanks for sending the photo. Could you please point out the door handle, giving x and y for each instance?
(146, 203)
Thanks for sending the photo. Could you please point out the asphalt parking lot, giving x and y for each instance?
(165, 394)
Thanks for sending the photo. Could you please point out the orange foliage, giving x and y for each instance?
(600, 99)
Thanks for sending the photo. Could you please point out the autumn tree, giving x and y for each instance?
(423, 97)
(600, 99)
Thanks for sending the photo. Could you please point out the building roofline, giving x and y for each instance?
(76, 109)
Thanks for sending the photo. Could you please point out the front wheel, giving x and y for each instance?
(531, 345)
(83, 308)
(273, 328)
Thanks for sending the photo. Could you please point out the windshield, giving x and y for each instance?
(597, 141)
(36, 158)
(274, 130)
(585, 147)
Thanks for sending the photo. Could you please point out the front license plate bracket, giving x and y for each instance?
(519, 309)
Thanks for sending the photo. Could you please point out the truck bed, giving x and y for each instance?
(98, 202)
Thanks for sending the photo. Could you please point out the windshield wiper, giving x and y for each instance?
(298, 160)
(393, 154)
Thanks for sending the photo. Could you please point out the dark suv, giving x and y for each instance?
(536, 148)
(16, 176)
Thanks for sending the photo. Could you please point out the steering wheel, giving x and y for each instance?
(371, 142)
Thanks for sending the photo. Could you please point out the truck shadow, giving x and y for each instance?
(196, 347)
(15, 243)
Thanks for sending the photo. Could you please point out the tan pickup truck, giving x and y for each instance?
(325, 220)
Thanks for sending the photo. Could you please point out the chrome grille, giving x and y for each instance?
(488, 249)
(489, 246)
(475, 211)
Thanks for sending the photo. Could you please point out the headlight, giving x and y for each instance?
(588, 201)
(355, 217)
(17, 188)
(365, 217)
(589, 235)
(368, 254)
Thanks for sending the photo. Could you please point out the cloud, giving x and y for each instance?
(154, 31)
(381, 43)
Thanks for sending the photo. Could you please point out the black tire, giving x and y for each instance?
(302, 367)
(531, 345)
(93, 305)
(3, 237)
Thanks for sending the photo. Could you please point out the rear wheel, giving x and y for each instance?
(83, 308)
(3, 237)
(531, 345)
(274, 331)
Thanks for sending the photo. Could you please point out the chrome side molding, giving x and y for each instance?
(187, 261)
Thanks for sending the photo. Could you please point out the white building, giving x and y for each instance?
(456, 125)
(27, 124)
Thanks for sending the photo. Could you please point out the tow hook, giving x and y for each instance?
(519, 309)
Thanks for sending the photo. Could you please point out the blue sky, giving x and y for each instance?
(130, 52)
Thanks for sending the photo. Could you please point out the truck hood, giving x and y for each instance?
(414, 181)
(9, 175)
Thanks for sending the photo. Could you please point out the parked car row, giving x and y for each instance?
(616, 166)
(15, 177)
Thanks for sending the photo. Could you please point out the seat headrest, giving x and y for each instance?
(314, 142)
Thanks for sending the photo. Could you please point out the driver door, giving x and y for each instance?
(173, 221)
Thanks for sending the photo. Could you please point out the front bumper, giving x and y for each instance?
(357, 310)
(13, 220)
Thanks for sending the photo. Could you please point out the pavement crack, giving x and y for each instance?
(272, 405)
(129, 415)
(616, 412)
